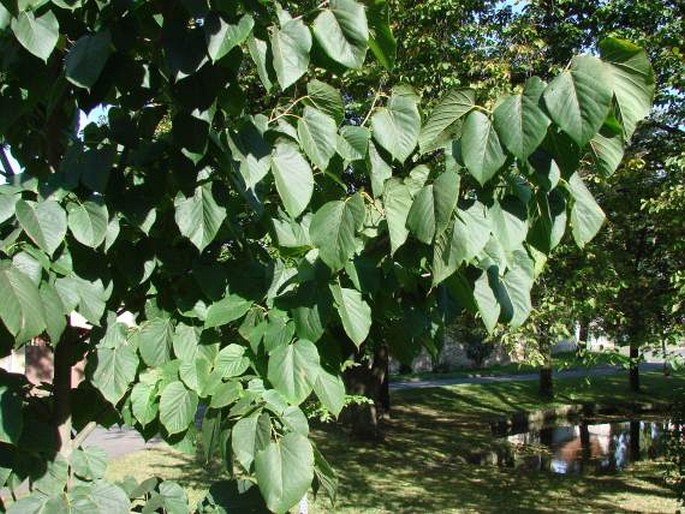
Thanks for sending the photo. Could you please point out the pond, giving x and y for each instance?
(587, 447)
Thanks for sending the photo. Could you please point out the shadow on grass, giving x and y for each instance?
(422, 465)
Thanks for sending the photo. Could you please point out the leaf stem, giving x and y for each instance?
(373, 104)
(368, 197)
(318, 7)
(287, 111)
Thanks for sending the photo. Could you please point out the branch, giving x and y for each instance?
(83, 434)
(6, 164)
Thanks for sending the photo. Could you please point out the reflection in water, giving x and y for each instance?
(583, 448)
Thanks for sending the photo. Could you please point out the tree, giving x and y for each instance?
(626, 283)
(254, 247)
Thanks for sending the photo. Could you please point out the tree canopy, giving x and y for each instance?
(257, 240)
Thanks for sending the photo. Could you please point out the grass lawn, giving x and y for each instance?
(420, 465)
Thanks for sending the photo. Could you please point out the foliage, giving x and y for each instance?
(256, 246)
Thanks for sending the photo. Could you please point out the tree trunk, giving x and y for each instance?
(583, 334)
(546, 381)
(586, 448)
(380, 370)
(370, 380)
(634, 371)
(63, 358)
(634, 441)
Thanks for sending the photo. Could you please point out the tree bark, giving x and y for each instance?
(369, 379)
(634, 371)
(546, 381)
(63, 359)
(586, 448)
(634, 441)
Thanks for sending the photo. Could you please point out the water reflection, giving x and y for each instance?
(582, 448)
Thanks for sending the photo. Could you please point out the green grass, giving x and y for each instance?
(562, 361)
(420, 465)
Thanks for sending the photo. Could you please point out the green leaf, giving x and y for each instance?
(21, 308)
(115, 369)
(578, 100)
(154, 341)
(222, 37)
(608, 152)
(7, 206)
(452, 108)
(354, 312)
(291, 234)
(480, 147)
(185, 341)
(381, 39)
(379, 170)
(55, 313)
(38, 35)
(293, 369)
(327, 99)
(445, 196)
(259, 51)
(330, 390)
(285, 470)
(421, 218)
(396, 127)
(471, 232)
(226, 394)
(44, 222)
(353, 143)
(318, 136)
(519, 121)
(248, 436)
(231, 361)
(333, 230)
(87, 58)
(397, 201)
(509, 222)
(177, 407)
(199, 217)
(88, 221)
(293, 177)
(144, 402)
(11, 417)
(518, 282)
(99, 498)
(290, 46)
(586, 216)
(488, 293)
(632, 80)
(89, 463)
(342, 31)
(53, 477)
(226, 310)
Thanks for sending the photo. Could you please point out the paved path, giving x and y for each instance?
(119, 441)
(573, 373)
